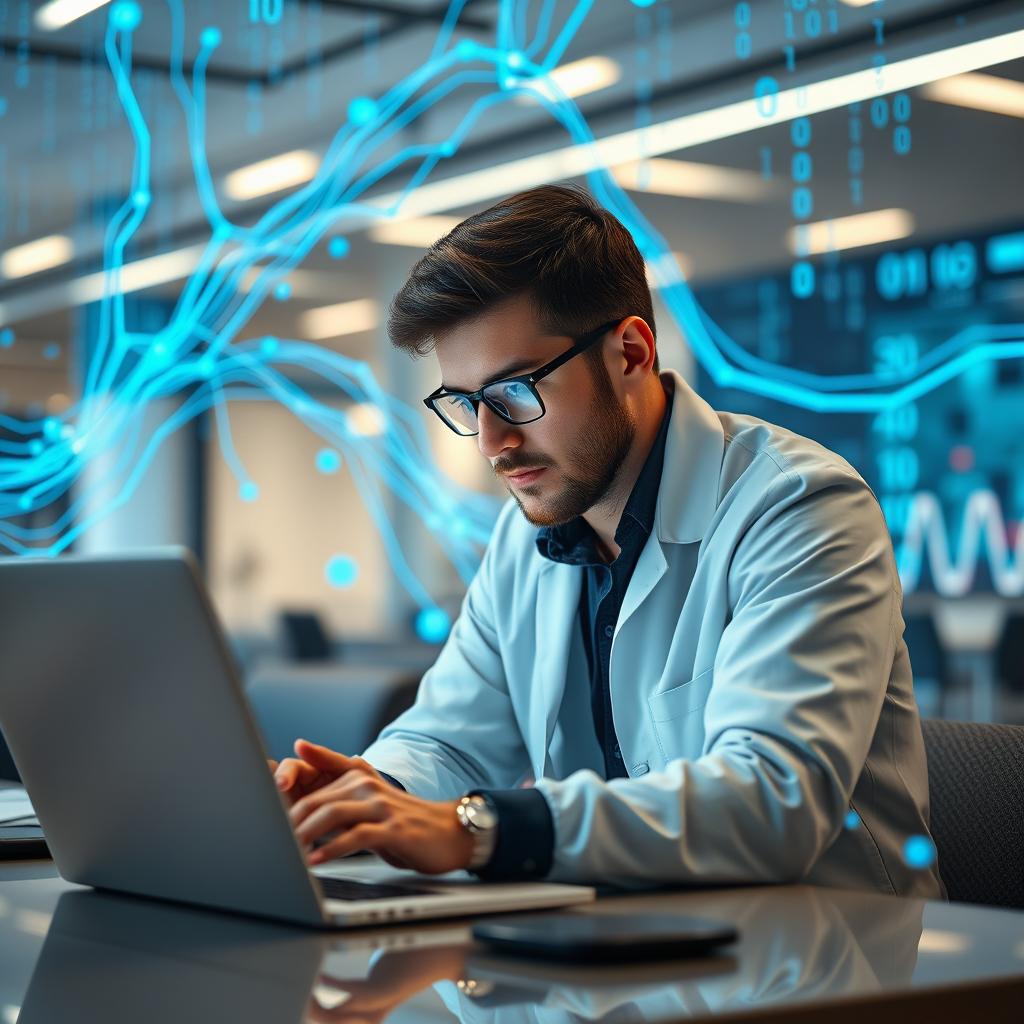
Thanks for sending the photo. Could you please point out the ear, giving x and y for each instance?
(638, 349)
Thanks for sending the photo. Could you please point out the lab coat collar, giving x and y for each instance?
(690, 478)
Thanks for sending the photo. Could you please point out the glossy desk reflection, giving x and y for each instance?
(112, 959)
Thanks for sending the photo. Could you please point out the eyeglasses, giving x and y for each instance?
(514, 399)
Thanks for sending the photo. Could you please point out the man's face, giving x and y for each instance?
(576, 448)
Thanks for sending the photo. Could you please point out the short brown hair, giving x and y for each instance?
(554, 243)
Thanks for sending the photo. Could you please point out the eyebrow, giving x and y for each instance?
(512, 370)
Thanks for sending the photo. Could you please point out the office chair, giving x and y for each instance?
(976, 782)
(305, 638)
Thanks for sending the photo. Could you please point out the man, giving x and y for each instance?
(694, 670)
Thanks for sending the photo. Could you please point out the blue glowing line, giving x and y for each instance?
(195, 359)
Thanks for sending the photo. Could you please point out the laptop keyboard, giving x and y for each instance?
(350, 889)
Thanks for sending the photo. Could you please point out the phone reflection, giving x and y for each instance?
(114, 958)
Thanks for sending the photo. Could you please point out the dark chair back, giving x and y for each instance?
(976, 783)
(305, 638)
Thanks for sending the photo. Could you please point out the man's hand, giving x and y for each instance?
(297, 777)
(368, 813)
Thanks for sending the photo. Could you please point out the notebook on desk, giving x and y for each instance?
(128, 725)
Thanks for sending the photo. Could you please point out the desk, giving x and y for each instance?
(806, 953)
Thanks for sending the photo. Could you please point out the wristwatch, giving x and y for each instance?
(479, 818)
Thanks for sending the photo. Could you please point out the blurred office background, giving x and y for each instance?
(882, 237)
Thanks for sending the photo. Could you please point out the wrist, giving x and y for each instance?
(478, 819)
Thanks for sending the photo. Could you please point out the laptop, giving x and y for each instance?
(126, 720)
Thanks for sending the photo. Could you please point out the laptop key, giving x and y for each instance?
(351, 889)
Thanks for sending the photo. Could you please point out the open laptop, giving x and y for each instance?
(126, 720)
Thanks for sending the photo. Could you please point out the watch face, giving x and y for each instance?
(479, 815)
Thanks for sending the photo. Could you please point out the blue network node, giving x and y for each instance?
(919, 852)
(125, 15)
(6, 337)
(282, 291)
(852, 820)
(433, 625)
(338, 248)
(328, 461)
(51, 351)
(341, 571)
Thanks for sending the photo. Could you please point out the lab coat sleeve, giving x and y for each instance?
(798, 683)
(461, 732)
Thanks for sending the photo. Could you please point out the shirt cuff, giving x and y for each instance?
(525, 846)
(391, 779)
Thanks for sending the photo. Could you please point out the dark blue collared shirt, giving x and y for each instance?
(526, 834)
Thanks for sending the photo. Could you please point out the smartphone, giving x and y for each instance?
(604, 937)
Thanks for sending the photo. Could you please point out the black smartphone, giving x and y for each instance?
(604, 937)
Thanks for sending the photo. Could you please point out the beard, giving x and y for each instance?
(602, 443)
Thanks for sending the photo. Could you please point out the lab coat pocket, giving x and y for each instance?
(679, 728)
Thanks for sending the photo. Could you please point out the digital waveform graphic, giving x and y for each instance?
(983, 539)
(195, 357)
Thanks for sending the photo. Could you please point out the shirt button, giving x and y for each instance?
(609, 630)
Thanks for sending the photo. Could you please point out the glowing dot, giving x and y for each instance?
(338, 248)
(515, 60)
(919, 852)
(51, 351)
(459, 527)
(35, 446)
(248, 491)
(447, 148)
(159, 350)
(509, 82)
(852, 819)
(141, 198)
(433, 625)
(328, 461)
(126, 15)
(77, 445)
(341, 571)
(283, 291)
(466, 49)
(207, 366)
(362, 110)
(210, 37)
(6, 338)
(643, 3)
(24, 502)
(269, 346)
(51, 428)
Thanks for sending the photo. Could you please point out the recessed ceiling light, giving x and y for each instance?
(692, 180)
(578, 78)
(980, 92)
(851, 232)
(416, 232)
(59, 13)
(34, 257)
(273, 175)
(338, 319)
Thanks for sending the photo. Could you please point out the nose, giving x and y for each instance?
(496, 435)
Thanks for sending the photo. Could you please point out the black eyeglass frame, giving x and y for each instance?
(528, 379)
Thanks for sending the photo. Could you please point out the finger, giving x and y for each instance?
(368, 836)
(329, 760)
(347, 789)
(338, 815)
(291, 771)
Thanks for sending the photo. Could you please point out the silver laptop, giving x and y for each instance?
(126, 720)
